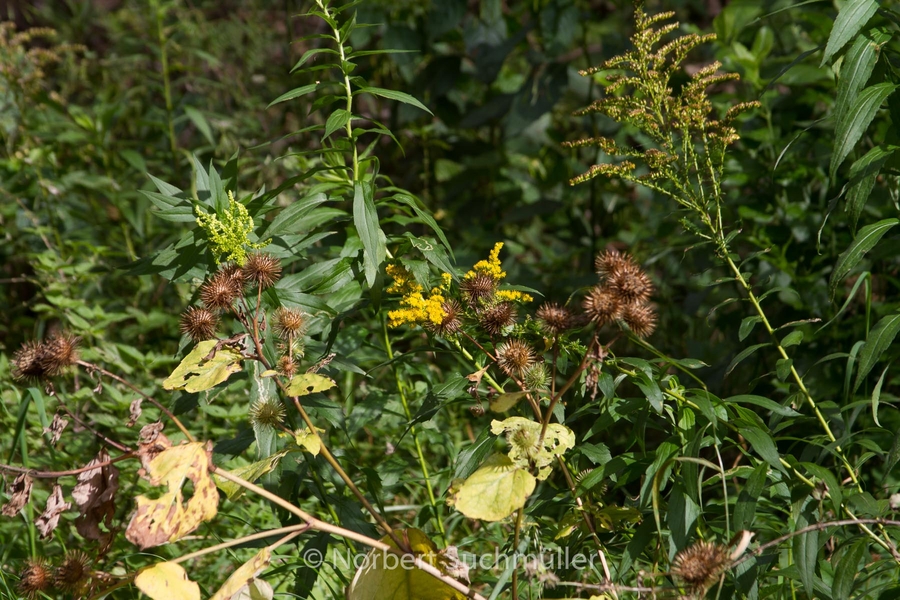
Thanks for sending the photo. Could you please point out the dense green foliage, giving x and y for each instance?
(392, 216)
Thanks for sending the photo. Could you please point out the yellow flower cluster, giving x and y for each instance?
(418, 309)
(491, 266)
(230, 235)
(512, 296)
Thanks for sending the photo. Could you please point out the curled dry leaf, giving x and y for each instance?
(169, 517)
(135, 412)
(57, 426)
(56, 505)
(19, 494)
(150, 432)
(95, 495)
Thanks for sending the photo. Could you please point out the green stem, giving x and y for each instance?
(167, 84)
(415, 435)
(347, 89)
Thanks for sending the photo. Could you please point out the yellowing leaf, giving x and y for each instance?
(504, 402)
(250, 473)
(244, 575)
(308, 441)
(167, 581)
(169, 517)
(496, 490)
(387, 576)
(196, 374)
(309, 383)
(257, 589)
(527, 449)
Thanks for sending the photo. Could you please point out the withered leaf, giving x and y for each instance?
(57, 426)
(149, 432)
(56, 505)
(168, 517)
(94, 495)
(19, 494)
(135, 412)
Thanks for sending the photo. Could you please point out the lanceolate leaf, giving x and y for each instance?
(393, 95)
(850, 129)
(856, 70)
(865, 240)
(244, 574)
(863, 173)
(365, 218)
(853, 17)
(294, 93)
(879, 340)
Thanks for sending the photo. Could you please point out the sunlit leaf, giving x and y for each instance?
(496, 490)
(309, 383)
(244, 575)
(167, 581)
(195, 373)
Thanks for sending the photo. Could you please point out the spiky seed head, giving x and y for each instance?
(288, 322)
(601, 305)
(233, 272)
(630, 284)
(267, 413)
(199, 323)
(73, 572)
(287, 366)
(59, 352)
(36, 577)
(262, 270)
(451, 322)
(477, 289)
(640, 318)
(514, 357)
(699, 566)
(553, 318)
(536, 377)
(220, 292)
(27, 362)
(609, 262)
(497, 318)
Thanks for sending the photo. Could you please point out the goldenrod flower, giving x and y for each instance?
(418, 309)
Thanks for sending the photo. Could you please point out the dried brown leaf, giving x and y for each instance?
(95, 495)
(19, 494)
(57, 426)
(56, 505)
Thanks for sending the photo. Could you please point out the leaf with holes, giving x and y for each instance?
(169, 517)
(196, 373)
(309, 383)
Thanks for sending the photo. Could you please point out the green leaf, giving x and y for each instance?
(863, 173)
(294, 93)
(806, 551)
(496, 490)
(309, 383)
(848, 568)
(426, 218)
(195, 373)
(250, 473)
(393, 95)
(287, 220)
(505, 402)
(848, 131)
(747, 325)
(309, 54)
(852, 17)
(876, 395)
(792, 339)
(864, 241)
(170, 208)
(879, 340)
(783, 368)
(763, 444)
(745, 508)
(338, 119)
(744, 354)
(834, 485)
(762, 402)
(201, 183)
(856, 70)
(365, 218)
(200, 123)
